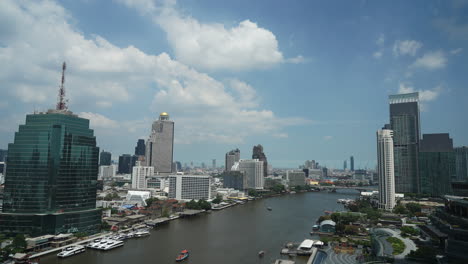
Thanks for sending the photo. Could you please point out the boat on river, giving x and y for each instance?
(184, 254)
(70, 251)
(269, 208)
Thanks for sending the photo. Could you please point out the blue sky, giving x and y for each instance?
(306, 79)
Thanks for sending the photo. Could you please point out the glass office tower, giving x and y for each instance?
(404, 121)
(436, 164)
(50, 186)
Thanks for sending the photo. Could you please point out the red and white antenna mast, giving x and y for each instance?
(62, 102)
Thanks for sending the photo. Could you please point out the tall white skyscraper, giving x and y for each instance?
(160, 145)
(140, 175)
(386, 171)
(253, 170)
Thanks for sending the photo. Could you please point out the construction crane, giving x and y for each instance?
(62, 102)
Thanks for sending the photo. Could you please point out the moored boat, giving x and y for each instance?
(70, 251)
(184, 254)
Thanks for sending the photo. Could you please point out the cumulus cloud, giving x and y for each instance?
(98, 120)
(424, 95)
(328, 138)
(431, 61)
(102, 74)
(406, 47)
(215, 46)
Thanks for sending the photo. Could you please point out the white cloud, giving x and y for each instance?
(377, 54)
(406, 47)
(101, 74)
(424, 95)
(380, 43)
(99, 121)
(297, 60)
(328, 138)
(380, 40)
(456, 51)
(214, 46)
(431, 61)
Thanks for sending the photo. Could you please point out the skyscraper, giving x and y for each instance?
(160, 145)
(404, 121)
(258, 153)
(105, 158)
(345, 165)
(140, 148)
(126, 163)
(3, 153)
(52, 170)
(213, 163)
(436, 164)
(351, 163)
(461, 163)
(253, 171)
(232, 157)
(140, 176)
(385, 169)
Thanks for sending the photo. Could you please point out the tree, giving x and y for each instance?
(19, 242)
(408, 230)
(253, 192)
(324, 217)
(218, 199)
(150, 201)
(400, 209)
(351, 230)
(413, 208)
(278, 188)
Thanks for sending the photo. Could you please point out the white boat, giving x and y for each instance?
(70, 251)
(99, 244)
(110, 244)
(142, 233)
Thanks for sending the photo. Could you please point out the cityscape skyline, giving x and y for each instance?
(233, 103)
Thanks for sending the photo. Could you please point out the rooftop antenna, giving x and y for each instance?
(62, 102)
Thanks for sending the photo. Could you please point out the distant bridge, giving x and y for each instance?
(357, 188)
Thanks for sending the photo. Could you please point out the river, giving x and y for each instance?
(231, 236)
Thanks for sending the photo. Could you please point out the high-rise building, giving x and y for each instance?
(3, 154)
(436, 164)
(258, 153)
(404, 121)
(213, 163)
(106, 172)
(105, 158)
(160, 145)
(232, 157)
(385, 169)
(461, 163)
(253, 171)
(140, 174)
(188, 187)
(126, 163)
(51, 179)
(140, 149)
(295, 178)
(345, 165)
(178, 166)
(235, 179)
(351, 163)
